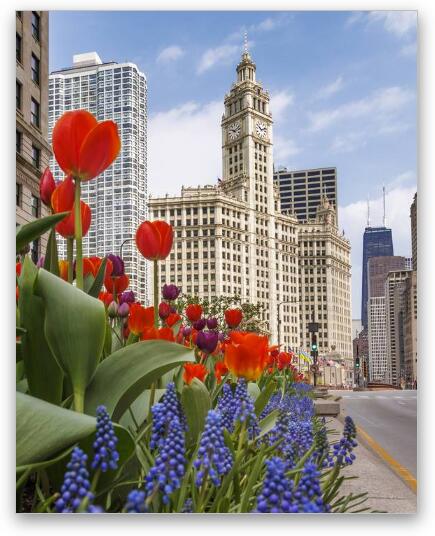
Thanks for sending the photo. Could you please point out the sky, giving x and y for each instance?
(343, 91)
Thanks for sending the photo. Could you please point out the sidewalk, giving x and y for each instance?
(386, 491)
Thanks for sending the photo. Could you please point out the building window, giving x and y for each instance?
(36, 204)
(34, 113)
(18, 141)
(35, 69)
(18, 94)
(36, 156)
(35, 251)
(35, 25)
(19, 190)
(19, 45)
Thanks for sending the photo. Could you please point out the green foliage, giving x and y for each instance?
(195, 400)
(31, 231)
(51, 260)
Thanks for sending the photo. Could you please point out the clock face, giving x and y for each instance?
(234, 130)
(261, 129)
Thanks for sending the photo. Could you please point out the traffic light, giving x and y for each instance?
(314, 347)
(357, 363)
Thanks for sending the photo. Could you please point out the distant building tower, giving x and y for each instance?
(378, 269)
(301, 191)
(379, 371)
(410, 330)
(32, 149)
(414, 232)
(118, 197)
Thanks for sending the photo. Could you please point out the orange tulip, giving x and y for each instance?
(154, 239)
(91, 266)
(194, 312)
(66, 227)
(246, 354)
(140, 318)
(161, 333)
(116, 285)
(62, 198)
(63, 269)
(233, 317)
(83, 147)
(220, 369)
(194, 370)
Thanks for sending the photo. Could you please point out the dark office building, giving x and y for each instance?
(301, 191)
(377, 242)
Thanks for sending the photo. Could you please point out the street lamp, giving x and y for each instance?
(122, 245)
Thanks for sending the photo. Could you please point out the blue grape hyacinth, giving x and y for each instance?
(244, 409)
(307, 497)
(276, 493)
(76, 485)
(226, 407)
(106, 456)
(214, 459)
(162, 414)
(342, 451)
(136, 502)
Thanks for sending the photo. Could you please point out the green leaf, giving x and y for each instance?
(126, 373)
(74, 326)
(268, 422)
(44, 375)
(264, 396)
(253, 390)
(51, 261)
(140, 408)
(95, 288)
(196, 402)
(31, 231)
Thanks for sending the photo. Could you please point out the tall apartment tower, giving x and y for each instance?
(231, 238)
(118, 197)
(377, 242)
(395, 286)
(325, 285)
(410, 329)
(301, 191)
(32, 149)
(414, 232)
(379, 370)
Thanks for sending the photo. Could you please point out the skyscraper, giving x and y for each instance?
(414, 232)
(378, 269)
(379, 371)
(118, 197)
(301, 191)
(377, 242)
(32, 149)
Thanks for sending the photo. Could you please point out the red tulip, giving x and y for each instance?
(246, 354)
(106, 298)
(172, 319)
(62, 198)
(66, 227)
(161, 333)
(116, 285)
(154, 239)
(164, 310)
(140, 318)
(284, 360)
(83, 147)
(63, 269)
(18, 268)
(220, 369)
(194, 370)
(91, 266)
(233, 317)
(194, 312)
(46, 186)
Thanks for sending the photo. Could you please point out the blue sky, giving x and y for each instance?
(343, 93)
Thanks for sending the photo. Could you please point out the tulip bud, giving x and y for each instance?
(199, 324)
(123, 310)
(112, 310)
(46, 186)
(212, 322)
(118, 265)
(187, 330)
(207, 341)
(170, 292)
(127, 297)
(164, 310)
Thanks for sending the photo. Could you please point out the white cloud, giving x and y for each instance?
(326, 91)
(398, 23)
(172, 53)
(353, 219)
(348, 142)
(184, 147)
(221, 54)
(409, 50)
(381, 103)
(280, 101)
(283, 148)
(356, 16)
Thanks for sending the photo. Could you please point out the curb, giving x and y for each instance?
(404, 474)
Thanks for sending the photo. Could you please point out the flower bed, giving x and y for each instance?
(179, 407)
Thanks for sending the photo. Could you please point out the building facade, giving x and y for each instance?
(395, 285)
(379, 371)
(32, 149)
(377, 242)
(118, 197)
(410, 330)
(301, 191)
(325, 286)
(232, 238)
(378, 269)
(413, 216)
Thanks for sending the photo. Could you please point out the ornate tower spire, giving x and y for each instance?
(245, 42)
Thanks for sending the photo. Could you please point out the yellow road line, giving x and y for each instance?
(403, 473)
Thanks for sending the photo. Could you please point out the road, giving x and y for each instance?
(389, 417)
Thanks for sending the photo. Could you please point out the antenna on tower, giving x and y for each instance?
(245, 42)
(368, 210)
(384, 220)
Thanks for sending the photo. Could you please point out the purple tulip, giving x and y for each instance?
(170, 292)
(207, 341)
(127, 297)
(123, 309)
(187, 331)
(212, 322)
(118, 265)
(199, 325)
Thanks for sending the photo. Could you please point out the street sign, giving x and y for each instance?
(313, 327)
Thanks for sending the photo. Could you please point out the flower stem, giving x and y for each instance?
(69, 256)
(156, 294)
(78, 235)
(79, 401)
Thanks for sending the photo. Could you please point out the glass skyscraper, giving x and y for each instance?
(118, 197)
(377, 242)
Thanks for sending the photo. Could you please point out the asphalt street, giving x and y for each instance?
(389, 417)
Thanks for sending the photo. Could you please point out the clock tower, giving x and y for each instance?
(247, 140)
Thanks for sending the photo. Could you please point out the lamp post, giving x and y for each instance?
(122, 245)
